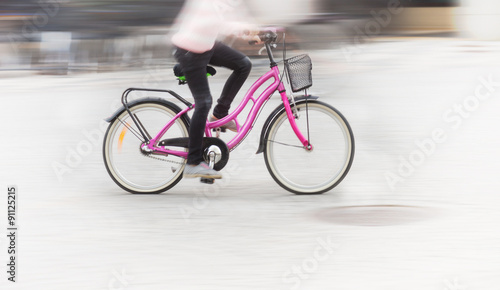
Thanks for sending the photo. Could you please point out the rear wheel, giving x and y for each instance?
(130, 167)
(315, 171)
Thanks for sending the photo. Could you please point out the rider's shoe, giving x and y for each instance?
(231, 125)
(201, 170)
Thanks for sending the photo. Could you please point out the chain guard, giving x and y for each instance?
(223, 157)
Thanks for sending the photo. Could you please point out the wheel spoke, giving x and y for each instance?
(134, 131)
(285, 144)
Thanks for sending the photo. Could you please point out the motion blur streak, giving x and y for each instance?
(418, 81)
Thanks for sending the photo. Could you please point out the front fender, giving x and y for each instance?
(265, 129)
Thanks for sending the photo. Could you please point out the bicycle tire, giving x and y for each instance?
(310, 172)
(143, 174)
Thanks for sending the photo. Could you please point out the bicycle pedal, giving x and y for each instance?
(207, 180)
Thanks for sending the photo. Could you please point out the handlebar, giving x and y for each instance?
(267, 36)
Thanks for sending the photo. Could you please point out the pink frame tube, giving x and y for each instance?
(247, 126)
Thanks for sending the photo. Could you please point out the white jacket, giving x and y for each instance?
(200, 23)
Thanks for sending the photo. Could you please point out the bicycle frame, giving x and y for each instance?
(243, 131)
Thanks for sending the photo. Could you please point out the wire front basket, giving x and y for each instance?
(299, 71)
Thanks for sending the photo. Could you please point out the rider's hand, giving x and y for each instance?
(251, 34)
(253, 39)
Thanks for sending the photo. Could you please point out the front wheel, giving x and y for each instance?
(315, 171)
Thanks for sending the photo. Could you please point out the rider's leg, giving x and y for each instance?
(240, 64)
(194, 67)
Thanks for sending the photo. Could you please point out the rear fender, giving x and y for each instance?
(159, 101)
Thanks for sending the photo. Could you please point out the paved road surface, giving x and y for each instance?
(419, 209)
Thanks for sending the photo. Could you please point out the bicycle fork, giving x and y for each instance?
(291, 117)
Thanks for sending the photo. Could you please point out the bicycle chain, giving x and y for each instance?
(150, 155)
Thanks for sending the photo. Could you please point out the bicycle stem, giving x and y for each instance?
(270, 54)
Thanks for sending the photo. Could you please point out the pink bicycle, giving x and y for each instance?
(308, 145)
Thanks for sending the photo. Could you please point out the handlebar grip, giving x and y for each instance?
(266, 36)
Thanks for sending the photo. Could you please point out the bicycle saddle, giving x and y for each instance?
(179, 73)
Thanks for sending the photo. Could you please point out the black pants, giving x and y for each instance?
(194, 67)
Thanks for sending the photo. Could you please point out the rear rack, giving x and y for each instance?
(134, 118)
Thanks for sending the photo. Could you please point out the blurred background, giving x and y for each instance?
(61, 36)
(399, 70)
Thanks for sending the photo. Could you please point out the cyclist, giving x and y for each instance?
(197, 45)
